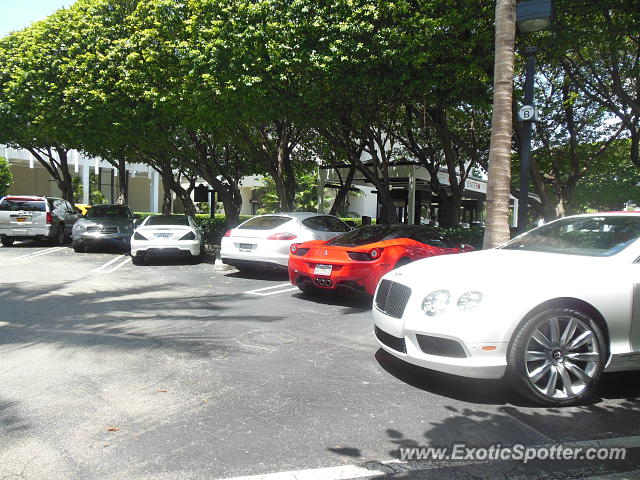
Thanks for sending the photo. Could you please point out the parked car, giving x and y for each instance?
(356, 260)
(26, 216)
(83, 207)
(104, 225)
(552, 309)
(264, 241)
(176, 235)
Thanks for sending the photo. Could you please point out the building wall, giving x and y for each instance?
(139, 193)
(32, 181)
(246, 193)
(364, 204)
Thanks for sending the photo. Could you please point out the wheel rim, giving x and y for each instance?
(562, 357)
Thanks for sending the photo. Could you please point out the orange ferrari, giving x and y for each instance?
(356, 260)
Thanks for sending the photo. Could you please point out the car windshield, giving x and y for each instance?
(179, 220)
(374, 233)
(266, 222)
(101, 211)
(597, 236)
(17, 204)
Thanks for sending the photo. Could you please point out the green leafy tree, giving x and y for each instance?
(599, 50)
(6, 177)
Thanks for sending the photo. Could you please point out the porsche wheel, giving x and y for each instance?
(557, 357)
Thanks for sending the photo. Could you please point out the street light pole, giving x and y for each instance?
(525, 140)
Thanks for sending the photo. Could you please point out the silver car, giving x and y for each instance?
(264, 241)
(104, 225)
(26, 216)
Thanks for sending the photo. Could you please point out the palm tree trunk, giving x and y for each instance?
(499, 182)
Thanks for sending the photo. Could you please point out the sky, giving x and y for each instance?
(17, 14)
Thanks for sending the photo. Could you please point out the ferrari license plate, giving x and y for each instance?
(246, 247)
(322, 270)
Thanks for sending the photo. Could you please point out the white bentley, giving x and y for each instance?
(552, 309)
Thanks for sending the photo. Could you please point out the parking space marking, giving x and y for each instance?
(42, 252)
(103, 268)
(262, 292)
(118, 265)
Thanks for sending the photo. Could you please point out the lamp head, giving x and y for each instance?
(534, 15)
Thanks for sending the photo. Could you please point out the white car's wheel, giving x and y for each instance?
(137, 259)
(557, 357)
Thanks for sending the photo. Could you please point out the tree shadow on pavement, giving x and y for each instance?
(496, 392)
(356, 303)
(128, 318)
(11, 423)
(261, 274)
(474, 427)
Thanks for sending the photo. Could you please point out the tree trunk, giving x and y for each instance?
(166, 199)
(232, 201)
(343, 192)
(388, 215)
(499, 181)
(285, 177)
(448, 209)
(123, 183)
(635, 147)
(187, 204)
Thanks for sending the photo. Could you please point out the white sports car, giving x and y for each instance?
(167, 235)
(553, 308)
(264, 240)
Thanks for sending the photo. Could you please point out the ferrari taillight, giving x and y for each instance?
(296, 250)
(372, 254)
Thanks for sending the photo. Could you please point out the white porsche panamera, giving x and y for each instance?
(551, 310)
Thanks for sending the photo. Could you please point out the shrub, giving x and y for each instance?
(471, 236)
(6, 177)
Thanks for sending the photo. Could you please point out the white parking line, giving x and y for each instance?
(261, 292)
(108, 264)
(42, 252)
(117, 266)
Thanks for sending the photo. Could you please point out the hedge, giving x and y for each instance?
(214, 229)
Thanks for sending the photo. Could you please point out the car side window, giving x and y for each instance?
(429, 237)
(58, 206)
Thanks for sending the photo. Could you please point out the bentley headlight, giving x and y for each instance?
(436, 302)
(469, 300)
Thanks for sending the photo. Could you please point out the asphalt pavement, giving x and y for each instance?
(171, 370)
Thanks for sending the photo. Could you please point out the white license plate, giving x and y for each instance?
(163, 235)
(322, 270)
(245, 247)
(21, 219)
